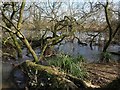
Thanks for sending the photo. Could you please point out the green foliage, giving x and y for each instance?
(106, 56)
(79, 59)
(69, 64)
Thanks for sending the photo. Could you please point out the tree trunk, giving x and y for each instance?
(30, 49)
(111, 33)
(109, 26)
(107, 45)
(66, 80)
(19, 50)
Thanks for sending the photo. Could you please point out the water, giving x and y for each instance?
(5, 73)
(7, 67)
(74, 49)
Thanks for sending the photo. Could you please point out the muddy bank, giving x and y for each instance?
(102, 74)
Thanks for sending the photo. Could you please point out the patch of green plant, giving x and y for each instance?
(69, 64)
(79, 59)
(106, 56)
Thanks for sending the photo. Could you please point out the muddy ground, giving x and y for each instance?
(101, 74)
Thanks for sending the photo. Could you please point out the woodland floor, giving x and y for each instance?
(102, 74)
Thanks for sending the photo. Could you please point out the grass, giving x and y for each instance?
(106, 56)
(69, 64)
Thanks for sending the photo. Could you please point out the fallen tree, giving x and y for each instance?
(48, 77)
(64, 80)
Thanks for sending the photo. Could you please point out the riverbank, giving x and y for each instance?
(101, 74)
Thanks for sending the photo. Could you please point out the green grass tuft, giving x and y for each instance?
(69, 64)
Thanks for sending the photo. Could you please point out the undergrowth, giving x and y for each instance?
(106, 56)
(69, 64)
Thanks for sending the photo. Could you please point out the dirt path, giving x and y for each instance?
(102, 74)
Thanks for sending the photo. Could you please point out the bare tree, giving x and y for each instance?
(112, 29)
(5, 10)
(112, 32)
(17, 31)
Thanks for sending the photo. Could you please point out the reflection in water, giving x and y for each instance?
(5, 72)
(7, 67)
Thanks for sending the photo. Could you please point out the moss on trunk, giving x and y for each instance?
(58, 79)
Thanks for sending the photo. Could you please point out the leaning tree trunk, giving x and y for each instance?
(19, 50)
(30, 49)
(63, 80)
